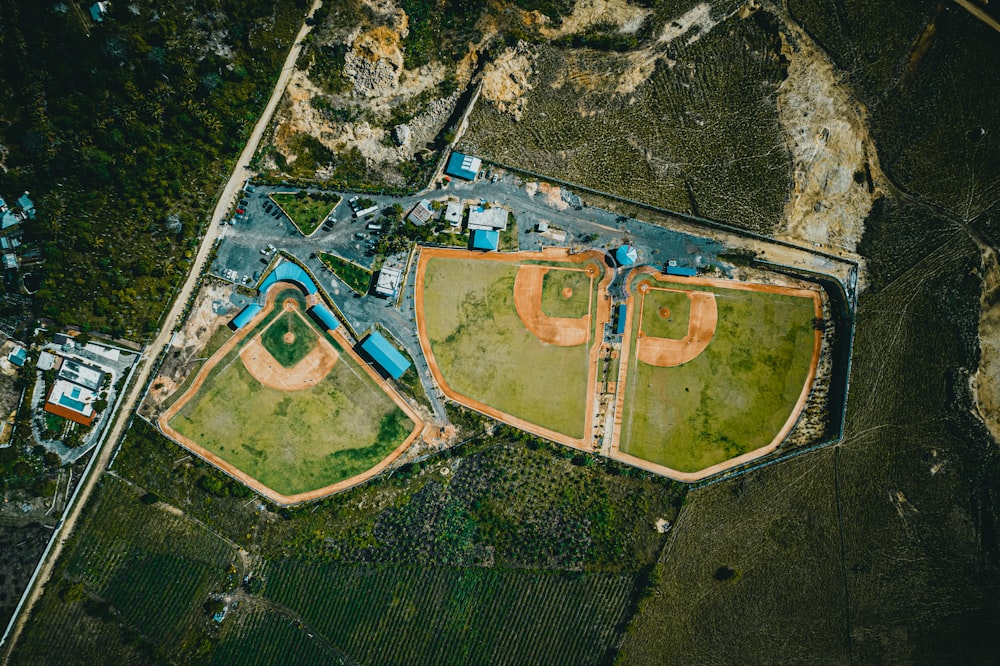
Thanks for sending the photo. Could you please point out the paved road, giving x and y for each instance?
(124, 415)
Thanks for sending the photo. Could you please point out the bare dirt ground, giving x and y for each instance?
(615, 451)
(626, 17)
(211, 310)
(559, 331)
(508, 77)
(665, 353)
(986, 382)
(164, 420)
(308, 372)
(602, 315)
(836, 173)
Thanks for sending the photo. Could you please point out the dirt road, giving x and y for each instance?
(131, 399)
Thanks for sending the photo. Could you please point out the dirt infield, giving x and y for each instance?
(325, 361)
(601, 316)
(615, 451)
(559, 331)
(307, 373)
(664, 352)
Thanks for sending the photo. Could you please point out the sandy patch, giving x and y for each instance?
(586, 13)
(836, 175)
(507, 78)
(986, 382)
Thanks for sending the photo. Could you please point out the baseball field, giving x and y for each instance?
(289, 408)
(713, 370)
(513, 335)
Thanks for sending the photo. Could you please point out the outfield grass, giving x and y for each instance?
(289, 354)
(486, 353)
(306, 211)
(555, 304)
(356, 277)
(675, 325)
(731, 399)
(294, 441)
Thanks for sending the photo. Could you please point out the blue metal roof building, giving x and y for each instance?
(322, 314)
(244, 317)
(626, 255)
(485, 240)
(289, 271)
(385, 355)
(18, 356)
(622, 311)
(683, 271)
(463, 166)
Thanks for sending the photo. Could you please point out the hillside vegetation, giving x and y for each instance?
(124, 132)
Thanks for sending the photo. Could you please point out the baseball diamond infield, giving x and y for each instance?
(729, 390)
(491, 347)
(296, 423)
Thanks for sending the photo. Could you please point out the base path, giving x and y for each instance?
(616, 452)
(602, 316)
(317, 374)
(305, 374)
(559, 331)
(665, 352)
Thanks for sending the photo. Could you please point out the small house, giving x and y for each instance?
(421, 213)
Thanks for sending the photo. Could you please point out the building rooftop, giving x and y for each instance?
(626, 255)
(494, 218)
(421, 213)
(323, 315)
(389, 279)
(245, 316)
(289, 271)
(47, 361)
(453, 213)
(71, 402)
(18, 356)
(385, 355)
(83, 375)
(8, 219)
(485, 240)
(463, 166)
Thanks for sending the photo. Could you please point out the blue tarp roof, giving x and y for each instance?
(289, 271)
(681, 270)
(485, 240)
(626, 255)
(248, 313)
(622, 311)
(324, 316)
(18, 357)
(387, 356)
(24, 202)
(462, 166)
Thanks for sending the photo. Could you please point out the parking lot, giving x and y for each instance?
(257, 231)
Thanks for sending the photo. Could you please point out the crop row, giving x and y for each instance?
(395, 615)
(267, 637)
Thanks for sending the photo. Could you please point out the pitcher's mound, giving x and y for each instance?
(288, 338)
(664, 313)
(567, 292)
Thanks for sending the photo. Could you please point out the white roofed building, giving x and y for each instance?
(487, 219)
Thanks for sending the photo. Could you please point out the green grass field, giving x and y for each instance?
(486, 353)
(675, 325)
(356, 277)
(307, 211)
(288, 355)
(299, 440)
(555, 304)
(731, 399)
